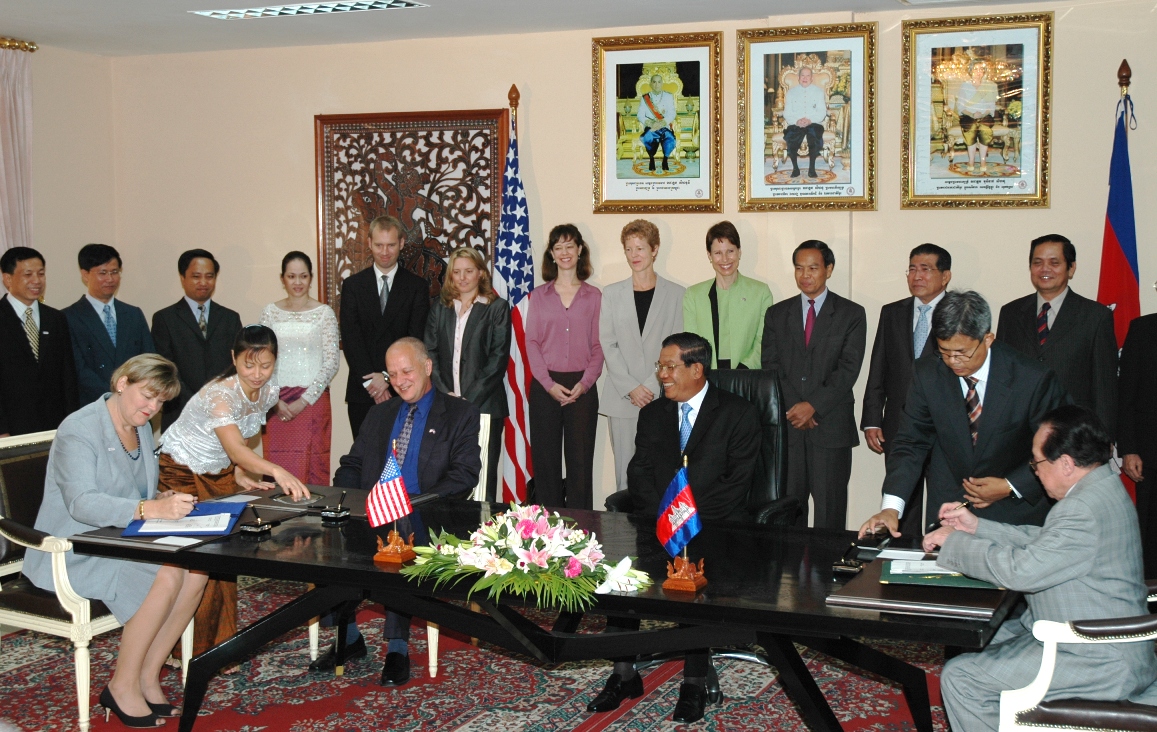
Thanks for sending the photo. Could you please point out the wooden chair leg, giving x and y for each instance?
(186, 651)
(432, 632)
(83, 684)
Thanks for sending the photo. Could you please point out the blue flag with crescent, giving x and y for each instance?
(678, 520)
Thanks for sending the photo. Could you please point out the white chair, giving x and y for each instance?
(432, 630)
(1023, 710)
(63, 613)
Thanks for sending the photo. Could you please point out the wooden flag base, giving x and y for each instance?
(395, 551)
(685, 576)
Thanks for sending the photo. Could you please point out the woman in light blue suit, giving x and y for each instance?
(102, 471)
(637, 314)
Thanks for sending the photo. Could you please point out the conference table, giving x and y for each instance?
(766, 586)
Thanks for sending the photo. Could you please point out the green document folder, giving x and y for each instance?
(932, 580)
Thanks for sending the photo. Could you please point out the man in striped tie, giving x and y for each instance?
(970, 415)
(435, 449)
(37, 375)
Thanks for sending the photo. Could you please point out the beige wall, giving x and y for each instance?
(216, 150)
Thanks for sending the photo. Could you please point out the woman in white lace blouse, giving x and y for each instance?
(207, 453)
(297, 436)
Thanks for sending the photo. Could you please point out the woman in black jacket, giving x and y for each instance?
(468, 338)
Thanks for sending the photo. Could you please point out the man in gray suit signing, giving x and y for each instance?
(1083, 564)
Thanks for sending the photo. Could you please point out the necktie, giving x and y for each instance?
(972, 403)
(202, 323)
(404, 437)
(1042, 324)
(384, 295)
(810, 324)
(110, 325)
(684, 426)
(32, 332)
(920, 335)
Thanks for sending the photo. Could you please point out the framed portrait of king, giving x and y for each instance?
(807, 118)
(656, 102)
(976, 111)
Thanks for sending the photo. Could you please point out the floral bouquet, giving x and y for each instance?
(527, 551)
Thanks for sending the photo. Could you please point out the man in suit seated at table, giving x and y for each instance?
(437, 449)
(37, 376)
(1070, 334)
(901, 338)
(719, 434)
(1083, 564)
(105, 331)
(196, 332)
(970, 416)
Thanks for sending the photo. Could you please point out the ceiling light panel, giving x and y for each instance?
(281, 11)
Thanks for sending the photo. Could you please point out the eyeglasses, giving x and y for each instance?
(959, 356)
(1033, 463)
(661, 367)
(922, 269)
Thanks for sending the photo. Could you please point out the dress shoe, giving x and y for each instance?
(615, 692)
(110, 705)
(328, 660)
(795, 173)
(665, 166)
(397, 669)
(714, 693)
(651, 167)
(692, 701)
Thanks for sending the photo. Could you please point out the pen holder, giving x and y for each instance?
(334, 515)
(257, 528)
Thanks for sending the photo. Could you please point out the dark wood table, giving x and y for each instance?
(766, 586)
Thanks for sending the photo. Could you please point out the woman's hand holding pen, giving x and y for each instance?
(169, 505)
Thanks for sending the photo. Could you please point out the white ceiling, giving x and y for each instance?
(139, 27)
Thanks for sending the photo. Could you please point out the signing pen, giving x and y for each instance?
(936, 524)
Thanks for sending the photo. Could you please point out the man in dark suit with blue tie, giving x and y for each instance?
(105, 331)
(37, 378)
(436, 443)
(815, 341)
(901, 338)
(196, 332)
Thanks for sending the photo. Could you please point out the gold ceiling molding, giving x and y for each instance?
(18, 45)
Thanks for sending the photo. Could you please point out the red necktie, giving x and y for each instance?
(810, 324)
(1042, 324)
(972, 404)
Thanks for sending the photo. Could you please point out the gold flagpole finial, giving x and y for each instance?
(513, 96)
(684, 461)
(394, 446)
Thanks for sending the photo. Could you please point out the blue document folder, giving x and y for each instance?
(206, 508)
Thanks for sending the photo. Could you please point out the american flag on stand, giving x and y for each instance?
(388, 500)
(513, 280)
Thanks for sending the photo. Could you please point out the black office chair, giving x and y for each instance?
(765, 500)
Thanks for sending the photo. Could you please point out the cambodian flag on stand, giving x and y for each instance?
(388, 500)
(1118, 287)
(678, 521)
(513, 280)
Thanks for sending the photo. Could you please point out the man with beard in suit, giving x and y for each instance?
(379, 305)
(970, 416)
(901, 338)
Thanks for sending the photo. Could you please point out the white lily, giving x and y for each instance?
(619, 579)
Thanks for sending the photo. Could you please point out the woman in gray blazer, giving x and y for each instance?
(638, 313)
(102, 471)
(468, 339)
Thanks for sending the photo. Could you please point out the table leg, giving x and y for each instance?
(248, 640)
(797, 681)
(912, 678)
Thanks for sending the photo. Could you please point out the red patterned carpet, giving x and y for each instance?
(477, 690)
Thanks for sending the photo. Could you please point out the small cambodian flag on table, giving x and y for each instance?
(388, 500)
(678, 519)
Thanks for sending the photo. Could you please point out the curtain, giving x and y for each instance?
(15, 149)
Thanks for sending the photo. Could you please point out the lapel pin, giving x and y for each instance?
(433, 432)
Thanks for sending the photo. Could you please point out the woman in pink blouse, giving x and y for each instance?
(562, 345)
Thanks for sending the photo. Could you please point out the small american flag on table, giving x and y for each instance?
(388, 500)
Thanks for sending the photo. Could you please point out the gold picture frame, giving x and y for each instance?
(839, 150)
(657, 144)
(980, 88)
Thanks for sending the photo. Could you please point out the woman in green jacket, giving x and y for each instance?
(728, 311)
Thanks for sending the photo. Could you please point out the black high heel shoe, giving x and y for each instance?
(110, 705)
(164, 710)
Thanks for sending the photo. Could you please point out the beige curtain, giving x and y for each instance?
(15, 149)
